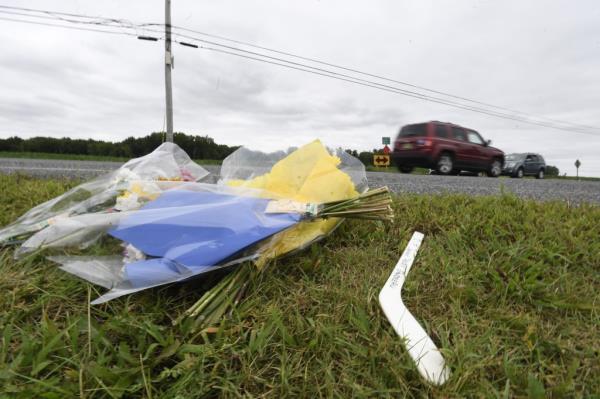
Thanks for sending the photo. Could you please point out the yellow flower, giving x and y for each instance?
(309, 174)
(150, 192)
(136, 194)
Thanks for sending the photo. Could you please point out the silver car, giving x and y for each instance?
(526, 164)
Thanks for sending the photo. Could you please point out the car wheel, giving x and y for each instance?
(519, 173)
(405, 169)
(445, 164)
(540, 174)
(495, 168)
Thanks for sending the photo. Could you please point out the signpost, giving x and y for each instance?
(577, 165)
(381, 160)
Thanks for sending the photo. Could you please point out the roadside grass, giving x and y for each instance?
(508, 288)
(394, 169)
(78, 157)
(65, 157)
(584, 178)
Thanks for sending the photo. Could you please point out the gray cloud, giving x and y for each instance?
(541, 57)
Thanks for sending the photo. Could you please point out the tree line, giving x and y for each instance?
(197, 147)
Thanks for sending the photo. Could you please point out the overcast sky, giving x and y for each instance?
(539, 57)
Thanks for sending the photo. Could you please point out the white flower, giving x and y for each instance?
(124, 174)
(127, 202)
(132, 254)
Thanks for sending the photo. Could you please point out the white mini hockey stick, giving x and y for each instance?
(421, 348)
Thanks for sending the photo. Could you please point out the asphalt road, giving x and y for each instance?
(568, 190)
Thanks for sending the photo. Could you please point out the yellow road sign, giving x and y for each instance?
(381, 160)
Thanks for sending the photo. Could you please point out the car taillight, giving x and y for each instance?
(423, 142)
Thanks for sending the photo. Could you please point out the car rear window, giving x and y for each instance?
(413, 130)
(441, 131)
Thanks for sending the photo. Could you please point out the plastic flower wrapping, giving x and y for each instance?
(133, 183)
(172, 226)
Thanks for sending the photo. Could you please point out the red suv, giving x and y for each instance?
(446, 148)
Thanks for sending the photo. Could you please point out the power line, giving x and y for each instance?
(109, 22)
(348, 78)
(377, 76)
(50, 12)
(68, 27)
(324, 73)
(58, 14)
(130, 24)
(195, 46)
(398, 91)
(50, 15)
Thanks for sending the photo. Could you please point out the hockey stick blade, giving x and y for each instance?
(420, 347)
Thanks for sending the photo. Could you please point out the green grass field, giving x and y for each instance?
(68, 157)
(509, 288)
(74, 157)
(394, 169)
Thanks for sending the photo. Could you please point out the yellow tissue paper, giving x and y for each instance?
(309, 174)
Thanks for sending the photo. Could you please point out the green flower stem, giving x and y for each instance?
(226, 295)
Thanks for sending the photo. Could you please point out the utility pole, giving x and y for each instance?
(168, 67)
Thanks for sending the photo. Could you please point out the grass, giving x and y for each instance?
(67, 157)
(583, 178)
(394, 169)
(76, 157)
(509, 288)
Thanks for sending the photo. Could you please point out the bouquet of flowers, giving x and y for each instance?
(126, 188)
(173, 228)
